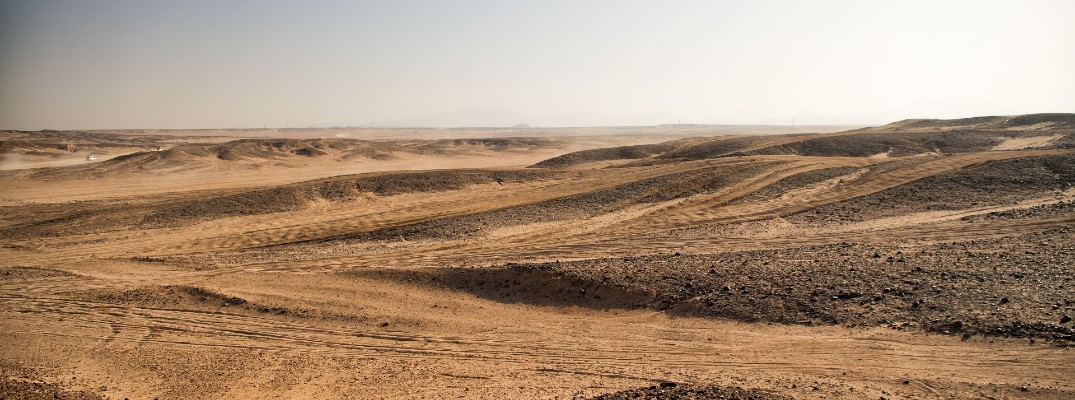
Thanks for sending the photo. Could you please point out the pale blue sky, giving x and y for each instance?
(219, 64)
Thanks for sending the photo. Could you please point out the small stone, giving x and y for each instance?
(1065, 319)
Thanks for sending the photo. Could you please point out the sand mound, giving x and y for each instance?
(343, 188)
(607, 154)
(308, 152)
(204, 155)
(499, 144)
(49, 149)
(254, 149)
(256, 153)
(69, 141)
(895, 145)
(183, 297)
(32, 273)
(716, 148)
(60, 219)
(166, 297)
(515, 283)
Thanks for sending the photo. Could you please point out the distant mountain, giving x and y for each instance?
(814, 118)
(476, 118)
(501, 117)
(505, 118)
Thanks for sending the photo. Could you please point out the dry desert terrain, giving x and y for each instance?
(921, 259)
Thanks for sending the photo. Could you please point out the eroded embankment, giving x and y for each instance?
(1017, 286)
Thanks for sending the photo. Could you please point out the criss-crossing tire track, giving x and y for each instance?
(119, 325)
(643, 226)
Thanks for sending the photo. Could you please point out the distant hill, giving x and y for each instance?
(903, 138)
(1049, 121)
(485, 117)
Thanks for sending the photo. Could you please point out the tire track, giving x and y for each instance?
(204, 329)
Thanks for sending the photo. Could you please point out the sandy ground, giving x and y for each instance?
(205, 283)
(1026, 142)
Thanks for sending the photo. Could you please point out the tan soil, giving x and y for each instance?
(745, 266)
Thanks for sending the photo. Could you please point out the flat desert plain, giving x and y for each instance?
(920, 259)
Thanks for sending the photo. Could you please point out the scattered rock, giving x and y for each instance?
(673, 391)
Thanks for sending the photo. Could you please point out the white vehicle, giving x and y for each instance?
(91, 157)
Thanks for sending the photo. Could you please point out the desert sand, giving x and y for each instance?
(920, 259)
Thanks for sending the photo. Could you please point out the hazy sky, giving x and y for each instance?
(203, 64)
